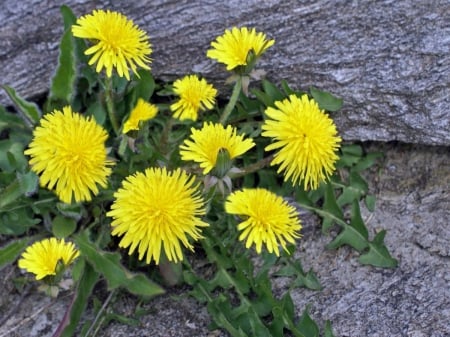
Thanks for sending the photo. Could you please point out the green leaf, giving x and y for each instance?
(63, 82)
(109, 265)
(85, 287)
(63, 227)
(10, 252)
(326, 100)
(370, 201)
(28, 182)
(331, 209)
(272, 91)
(30, 110)
(328, 329)
(145, 85)
(367, 161)
(378, 255)
(74, 211)
(355, 234)
(10, 194)
(307, 326)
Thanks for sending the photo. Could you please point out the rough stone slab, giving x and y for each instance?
(389, 60)
(413, 300)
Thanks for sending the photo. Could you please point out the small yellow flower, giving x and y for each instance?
(267, 218)
(42, 257)
(306, 139)
(118, 42)
(232, 48)
(195, 95)
(157, 210)
(206, 143)
(142, 112)
(68, 151)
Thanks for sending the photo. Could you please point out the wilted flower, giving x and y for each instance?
(142, 112)
(156, 210)
(118, 42)
(68, 152)
(48, 257)
(195, 95)
(267, 219)
(306, 139)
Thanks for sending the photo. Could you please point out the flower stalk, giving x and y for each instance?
(232, 102)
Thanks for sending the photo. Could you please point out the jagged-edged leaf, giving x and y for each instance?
(262, 97)
(109, 265)
(378, 255)
(326, 100)
(367, 161)
(10, 252)
(357, 187)
(307, 326)
(29, 110)
(28, 182)
(354, 234)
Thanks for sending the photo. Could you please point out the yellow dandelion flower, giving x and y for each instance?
(68, 152)
(42, 258)
(143, 111)
(205, 144)
(267, 217)
(306, 139)
(232, 48)
(118, 42)
(195, 95)
(156, 210)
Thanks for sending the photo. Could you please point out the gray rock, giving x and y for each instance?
(389, 60)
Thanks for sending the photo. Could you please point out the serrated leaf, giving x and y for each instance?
(109, 265)
(30, 110)
(262, 97)
(355, 234)
(62, 227)
(378, 255)
(367, 161)
(74, 211)
(10, 252)
(307, 326)
(326, 100)
(63, 82)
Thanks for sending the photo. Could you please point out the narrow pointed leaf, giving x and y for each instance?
(307, 326)
(10, 252)
(331, 210)
(29, 110)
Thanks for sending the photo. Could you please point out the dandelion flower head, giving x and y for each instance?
(68, 152)
(195, 95)
(267, 219)
(306, 139)
(117, 42)
(143, 111)
(233, 46)
(42, 257)
(205, 144)
(157, 209)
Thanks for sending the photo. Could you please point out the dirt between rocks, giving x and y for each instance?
(413, 300)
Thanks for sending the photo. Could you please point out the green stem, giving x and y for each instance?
(110, 105)
(232, 102)
(252, 168)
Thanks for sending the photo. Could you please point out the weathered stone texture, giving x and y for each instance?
(389, 60)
